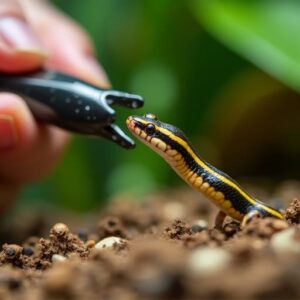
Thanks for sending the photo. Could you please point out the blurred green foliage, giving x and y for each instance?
(159, 50)
(264, 31)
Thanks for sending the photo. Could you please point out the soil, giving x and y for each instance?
(164, 247)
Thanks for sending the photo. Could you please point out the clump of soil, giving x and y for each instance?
(162, 248)
(292, 213)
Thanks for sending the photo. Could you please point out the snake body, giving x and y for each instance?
(171, 143)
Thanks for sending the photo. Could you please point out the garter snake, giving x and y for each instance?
(171, 143)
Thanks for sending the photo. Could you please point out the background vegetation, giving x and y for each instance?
(226, 72)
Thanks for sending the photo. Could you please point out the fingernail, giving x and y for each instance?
(16, 35)
(8, 132)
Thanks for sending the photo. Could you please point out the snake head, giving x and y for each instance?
(159, 136)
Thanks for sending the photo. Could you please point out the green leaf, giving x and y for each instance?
(267, 32)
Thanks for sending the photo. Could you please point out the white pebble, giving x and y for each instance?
(208, 260)
(201, 223)
(108, 242)
(284, 241)
(58, 258)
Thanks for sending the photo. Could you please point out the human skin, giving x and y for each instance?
(34, 34)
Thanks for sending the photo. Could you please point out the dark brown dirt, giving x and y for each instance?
(292, 213)
(166, 251)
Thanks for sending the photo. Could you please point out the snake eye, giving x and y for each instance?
(150, 128)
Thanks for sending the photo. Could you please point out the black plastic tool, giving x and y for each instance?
(72, 104)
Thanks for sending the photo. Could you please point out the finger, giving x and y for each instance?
(70, 47)
(27, 151)
(20, 49)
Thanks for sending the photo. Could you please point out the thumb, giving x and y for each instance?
(20, 49)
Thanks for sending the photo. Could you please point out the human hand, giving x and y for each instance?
(35, 34)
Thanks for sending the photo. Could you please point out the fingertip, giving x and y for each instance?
(70, 47)
(94, 73)
(28, 150)
(74, 61)
(27, 133)
(20, 49)
(22, 60)
(16, 123)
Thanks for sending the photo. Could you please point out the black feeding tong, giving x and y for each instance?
(72, 104)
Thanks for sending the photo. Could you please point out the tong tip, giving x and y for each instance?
(123, 99)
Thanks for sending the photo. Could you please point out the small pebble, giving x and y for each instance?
(208, 260)
(109, 242)
(58, 258)
(285, 241)
(12, 251)
(60, 229)
(27, 251)
(90, 244)
(199, 225)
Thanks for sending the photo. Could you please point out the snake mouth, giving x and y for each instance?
(132, 125)
(136, 127)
